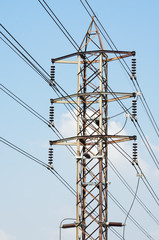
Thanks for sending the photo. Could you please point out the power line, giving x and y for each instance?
(124, 125)
(148, 147)
(59, 24)
(9, 144)
(129, 216)
(116, 233)
(135, 195)
(129, 158)
(110, 90)
(65, 183)
(35, 113)
(43, 76)
(24, 50)
(26, 59)
(139, 130)
(124, 109)
(111, 165)
(35, 68)
(26, 154)
(27, 107)
(23, 104)
(144, 102)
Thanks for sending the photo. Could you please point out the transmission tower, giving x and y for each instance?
(92, 140)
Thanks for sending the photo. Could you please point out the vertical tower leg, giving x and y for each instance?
(78, 151)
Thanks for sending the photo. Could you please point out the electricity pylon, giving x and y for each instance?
(92, 139)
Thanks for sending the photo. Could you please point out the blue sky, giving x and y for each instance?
(33, 201)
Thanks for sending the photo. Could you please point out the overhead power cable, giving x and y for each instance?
(129, 216)
(26, 59)
(125, 183)
(116, 233)
(124, 125)
(27, 107)
(59, 24)
(53, 171)
(73, 106)
(22, 103)
(9, 144)
(26, 154)
(139, 130)
(144, 179)
(137, 187)
(34, 67)
(137, 168)
(35, 113)
(152, 155)
(110, 89)
(24, 50)
(37, 70)
(66, 184)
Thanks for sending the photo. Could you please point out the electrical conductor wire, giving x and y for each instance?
(137, 187)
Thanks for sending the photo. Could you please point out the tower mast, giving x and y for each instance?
(92, 139)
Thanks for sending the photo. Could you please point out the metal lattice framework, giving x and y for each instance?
(92, 139)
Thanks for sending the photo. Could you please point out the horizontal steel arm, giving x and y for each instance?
(125, 95)
(131, 53)
(117, 138)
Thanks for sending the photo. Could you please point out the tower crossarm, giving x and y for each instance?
(95, 138)
(119, 96)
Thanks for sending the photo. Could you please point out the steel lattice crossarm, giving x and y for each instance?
(118, 96)
(122, 54)
(92, 139)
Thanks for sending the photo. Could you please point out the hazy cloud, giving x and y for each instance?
(6, 236)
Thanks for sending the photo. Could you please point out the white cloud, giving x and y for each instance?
(115, 127)
(155, 147)
(6, 236)
(155, 234)
(67, 125)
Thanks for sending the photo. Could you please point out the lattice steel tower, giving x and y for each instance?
(92, 140)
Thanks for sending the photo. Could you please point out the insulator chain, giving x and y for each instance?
(51, 115)
(52, 74)
(133, 70)
(134, 109)
(50, 157)
(134, 153)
